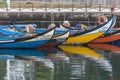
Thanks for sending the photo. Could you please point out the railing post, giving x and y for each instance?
(86, 8)
(59, 7)
(72, 5)
(6, 7)
(19, 7)
(99, 8)
(32, 7)
(46, 6)
(19, 10)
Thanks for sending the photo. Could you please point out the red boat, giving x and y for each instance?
(112, 37)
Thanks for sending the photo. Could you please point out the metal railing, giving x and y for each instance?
(57, 7)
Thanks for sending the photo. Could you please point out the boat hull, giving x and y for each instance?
(90, 35)
(51, 43)
(57, 39)
(107, 39)
(32, 44)
(83, 38)
(30, 41)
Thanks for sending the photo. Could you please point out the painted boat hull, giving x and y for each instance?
(109, 38)
(88, 36)
(29, 41)
(83, 39)
(57, 40)
(51, 44)
(32, 44)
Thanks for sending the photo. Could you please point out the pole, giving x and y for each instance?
(64, 9)
(8, 4)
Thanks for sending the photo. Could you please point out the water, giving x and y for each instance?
(60, 63)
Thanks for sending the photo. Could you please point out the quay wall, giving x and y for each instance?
(41, 18)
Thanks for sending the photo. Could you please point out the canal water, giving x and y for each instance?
(61, 63)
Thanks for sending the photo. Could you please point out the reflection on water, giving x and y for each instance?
(62, 63)
(92, 57)
(28, 70)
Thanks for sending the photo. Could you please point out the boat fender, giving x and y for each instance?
(27, 29)
(30, 28)
(102, 19)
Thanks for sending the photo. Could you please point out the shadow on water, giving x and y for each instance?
(61, 63)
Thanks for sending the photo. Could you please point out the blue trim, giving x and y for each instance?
(31, 44)
(113, 20)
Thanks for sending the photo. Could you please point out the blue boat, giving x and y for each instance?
(27, 41)
(13, 29)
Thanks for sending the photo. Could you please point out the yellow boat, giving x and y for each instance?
(89, 35)
(85, 51)
(83, 38)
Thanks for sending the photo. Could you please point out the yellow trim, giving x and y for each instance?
(83, 38)
(84, 26)
(82, 51)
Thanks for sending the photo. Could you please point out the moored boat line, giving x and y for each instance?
(34, 40)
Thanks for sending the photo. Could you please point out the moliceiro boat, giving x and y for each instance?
(111, 38)
(28, 41)
(90, 35)
(57, 39)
